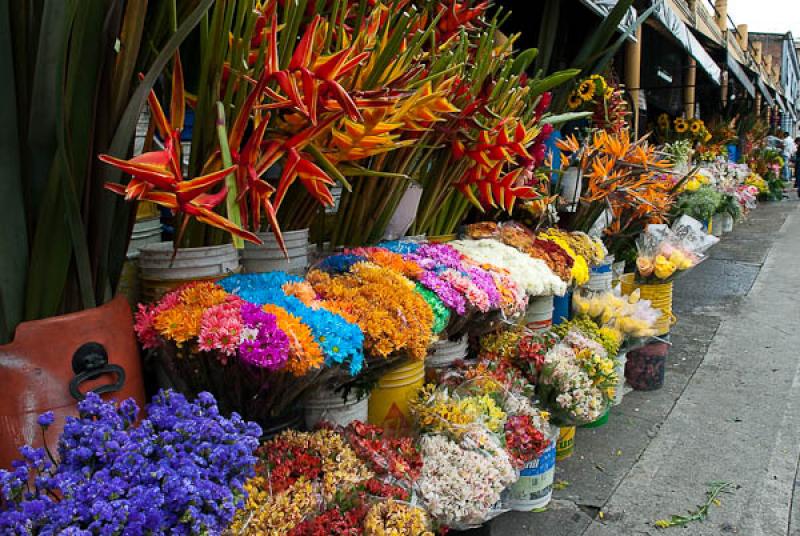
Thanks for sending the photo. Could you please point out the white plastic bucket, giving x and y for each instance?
(571, 184)
(716, 225)
(268, 257)
(156, 262)
(147, 231)
(534, 489)
(444, 353)
(601, 277)
(539, 315)
(159, 273)
(328, 405)
(619, 392)
(617, 269)
(726, 222)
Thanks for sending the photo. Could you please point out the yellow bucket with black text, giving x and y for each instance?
(388, 402)
(565, 447)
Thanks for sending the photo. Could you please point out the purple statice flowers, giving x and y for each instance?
(179, 471)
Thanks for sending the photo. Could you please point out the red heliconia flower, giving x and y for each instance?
(157, 176)
(457, 15)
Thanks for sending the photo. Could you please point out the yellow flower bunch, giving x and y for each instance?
(687, 128)
(436, 410)
(756, 180)
(384, 304)
(619, 316)
(588, 90)
(487, 407)
(695, 182)
(341, 468)
(580, 266)
(392, 518)
(589, 248)
(270, 514)
(600, 369)
(611, 339)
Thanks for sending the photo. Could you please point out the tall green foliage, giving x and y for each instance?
(69, 92)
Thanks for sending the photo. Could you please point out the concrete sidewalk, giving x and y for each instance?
(730, 409)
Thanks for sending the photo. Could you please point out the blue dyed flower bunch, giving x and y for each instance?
(341, 341)
(404, 247)
(340, 263)
(180, 471)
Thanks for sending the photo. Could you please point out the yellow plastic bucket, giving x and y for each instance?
(660, 294)
(442, 239)
(565, 447)
(146, 210)
(128, 284)
(388, 402)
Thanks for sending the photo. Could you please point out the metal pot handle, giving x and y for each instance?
(89, 362)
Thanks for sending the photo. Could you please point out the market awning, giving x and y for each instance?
(781, 102)
(736, 70)
(764, 91)
(604, 7)
(688, 41)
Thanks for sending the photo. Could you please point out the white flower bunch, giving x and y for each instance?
(575, 393)
(460, 483)
(531, 274)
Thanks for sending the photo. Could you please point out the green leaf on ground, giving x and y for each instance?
(715, 489)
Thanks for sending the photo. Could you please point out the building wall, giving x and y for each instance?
(783, 50)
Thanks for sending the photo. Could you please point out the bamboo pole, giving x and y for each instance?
(633, 72)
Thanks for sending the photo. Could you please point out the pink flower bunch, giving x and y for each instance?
(477, 297)
(221, 328)
(515, 299)
(145, 317)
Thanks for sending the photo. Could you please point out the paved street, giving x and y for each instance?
(730, 409)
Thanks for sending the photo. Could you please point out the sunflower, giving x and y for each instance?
(681, 125)
(608, 93)
(586, 90)
(599, 83)
(663, 121)
(696, 127)
(574, 101)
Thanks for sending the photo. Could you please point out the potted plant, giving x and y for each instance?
(71, 92)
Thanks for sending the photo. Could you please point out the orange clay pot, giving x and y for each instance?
(36, 371)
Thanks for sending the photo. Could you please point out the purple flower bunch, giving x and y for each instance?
(263, 344)
(449, 295)
(180, 471)
(440, 254)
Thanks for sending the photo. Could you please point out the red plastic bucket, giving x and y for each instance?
(645, 367)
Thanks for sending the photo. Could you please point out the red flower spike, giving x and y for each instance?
(177, 105)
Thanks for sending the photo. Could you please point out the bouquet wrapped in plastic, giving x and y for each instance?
(633, 319)
(465, 467)
(665, 253)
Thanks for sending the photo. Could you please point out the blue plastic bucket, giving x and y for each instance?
(562, 308)
(534, 489)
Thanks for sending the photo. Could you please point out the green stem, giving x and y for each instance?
(231, 204)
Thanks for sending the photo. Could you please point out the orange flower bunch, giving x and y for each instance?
(180, 321)
(625, 175)
(304, 352)
(389, 259)
(384, 304)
